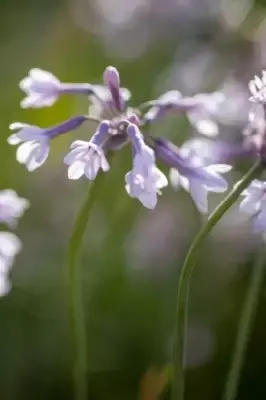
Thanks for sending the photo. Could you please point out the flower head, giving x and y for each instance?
(254, 204)
(188, 172)
(145, 180)
(257, 87)
(12, 207)
(34, 142)
(86, 158)
(42, 89)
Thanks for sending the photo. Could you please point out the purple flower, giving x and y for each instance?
(202, 109)
(167, 101)
(12, 207)
(10, 245)
(254, 204)
(112, 81)
(34, 142)
(203, 116)
(189, 173)
(86, 158)
(145, 180)
(42, 89)
(257, 87)
(109, 99)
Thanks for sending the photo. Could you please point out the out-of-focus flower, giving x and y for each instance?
(188, 172)
(166, 101)
(201, 109)
(257, 87)
(86, 158)
(145, 180)
(254, 204)
(34, 142)
(12, 207)
(203, 116)
(10, 246)
(255, 132)
(42, 89)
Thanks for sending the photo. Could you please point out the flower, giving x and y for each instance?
(145, 180)
(257, 87)
(108, 99)
(86, 158)
(201, 109)
(12, 207)
(166, 101)
(42, 89)
(254, 204)
(10, 246)
(203, 115)
(34, 142)
(188, 172)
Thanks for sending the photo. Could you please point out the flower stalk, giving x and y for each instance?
(184, 279)
(77, 321)
(246, 321)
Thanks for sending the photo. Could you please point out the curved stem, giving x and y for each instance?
(245, 326)
(186, 272)
(76, 312)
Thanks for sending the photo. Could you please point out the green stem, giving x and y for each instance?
(76, 312)
(186, 272)
(245, 326)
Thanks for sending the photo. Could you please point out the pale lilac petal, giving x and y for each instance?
(18, 125)
(207, 127)
(76, 170)
(104, 164)
(5, 285)
(40, 75)
(174, 177)
(79, 143)
(199, 195)
(10, 244)
(25, 150)
(149, 200)
(221, 168)
(250, 205)
(74, 155)
(14, 139)
(91, 169)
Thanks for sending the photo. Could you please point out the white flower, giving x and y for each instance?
(41, 87)
(200, 180)
(166, 100)
(254, 204)
(12, 207)
(10, 245)
(145, 180)
(203, 116)
(85, 158)
(33, 144)
(257, 87)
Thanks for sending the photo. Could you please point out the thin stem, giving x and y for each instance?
(186, 272)
(246, 323)
(76, 312)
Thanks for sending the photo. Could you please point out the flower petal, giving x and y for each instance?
(76, 170)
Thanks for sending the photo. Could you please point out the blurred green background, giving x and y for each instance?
(131, 257)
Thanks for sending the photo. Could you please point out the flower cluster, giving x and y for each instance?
(119, 125)
(12, 208)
